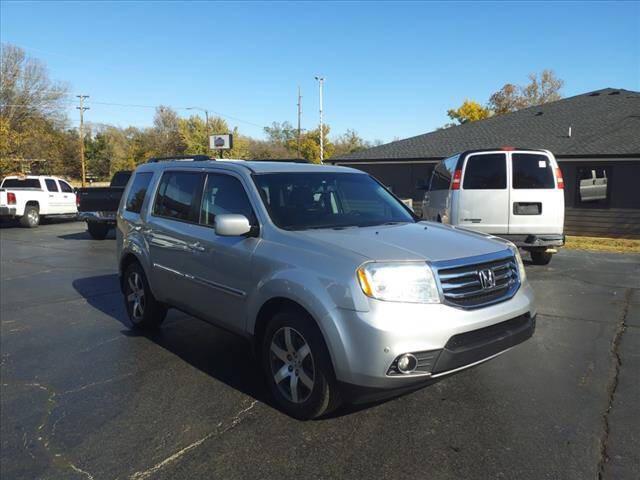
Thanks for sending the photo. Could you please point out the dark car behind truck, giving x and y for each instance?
(98, 205)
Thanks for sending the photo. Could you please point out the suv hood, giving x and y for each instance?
(411, 241)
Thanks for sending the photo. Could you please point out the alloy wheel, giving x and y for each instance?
(292, 364)
(136, 295)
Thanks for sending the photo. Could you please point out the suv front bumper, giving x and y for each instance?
(444, 339)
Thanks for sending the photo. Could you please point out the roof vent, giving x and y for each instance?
(615, 93)
(594, 94)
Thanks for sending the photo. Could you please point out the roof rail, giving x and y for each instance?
(287, 160)
(181, 158)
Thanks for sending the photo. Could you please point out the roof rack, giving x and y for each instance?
(286, 160)
(181, 158)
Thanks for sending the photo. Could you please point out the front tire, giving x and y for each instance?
(31, 217)
(540, 257)
(298, 367)
(98, 231)
(144, 311)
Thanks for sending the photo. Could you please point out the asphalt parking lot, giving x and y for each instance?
(84, 397)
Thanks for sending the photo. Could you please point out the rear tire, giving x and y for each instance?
(31, 217)
(298, 367)
(144, 311)
(540, 257)
(98, 231)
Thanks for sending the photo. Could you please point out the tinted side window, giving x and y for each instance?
(441, 178)
(138, 192)
(486, 172)
(65, 187)
(51, 184)
(179, 196)
(532, 171)
(224, 194)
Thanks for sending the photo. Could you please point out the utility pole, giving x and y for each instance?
(82, 109)
(206, 119)
(321, 82)
(299, 117)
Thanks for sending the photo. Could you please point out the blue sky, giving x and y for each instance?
(391, 69)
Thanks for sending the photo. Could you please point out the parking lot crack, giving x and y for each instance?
(613, 383)
(220, 429)
(94, 384)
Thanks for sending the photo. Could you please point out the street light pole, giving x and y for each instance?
(320, 84)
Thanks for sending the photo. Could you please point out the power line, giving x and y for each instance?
(133, 105)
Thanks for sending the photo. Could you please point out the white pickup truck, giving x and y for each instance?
(30, 197)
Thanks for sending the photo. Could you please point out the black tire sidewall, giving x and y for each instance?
(324, 384)
(540, 258)
(97, 231)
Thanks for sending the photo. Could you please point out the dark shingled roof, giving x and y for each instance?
(603, 122)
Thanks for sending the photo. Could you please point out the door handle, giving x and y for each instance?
(197, 246)
(50, 196)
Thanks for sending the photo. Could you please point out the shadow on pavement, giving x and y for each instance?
(84, 235)
(220, 354)
(225, 356)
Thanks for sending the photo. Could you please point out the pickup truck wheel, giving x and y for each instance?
(144, 311)
(297, 366)
(98, 231)
(540, 257)
(31, 217)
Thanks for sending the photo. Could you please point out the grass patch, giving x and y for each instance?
(597, 244)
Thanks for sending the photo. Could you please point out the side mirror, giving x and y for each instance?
(232, 225)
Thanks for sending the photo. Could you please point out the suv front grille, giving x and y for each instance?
(463, 286)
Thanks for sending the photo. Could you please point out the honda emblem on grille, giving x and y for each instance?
(487, 278)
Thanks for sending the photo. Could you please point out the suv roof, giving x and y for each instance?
(252, 166)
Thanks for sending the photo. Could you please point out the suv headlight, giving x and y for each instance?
(411, 282)
(521, 271)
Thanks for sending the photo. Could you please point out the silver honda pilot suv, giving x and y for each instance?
(344, 292)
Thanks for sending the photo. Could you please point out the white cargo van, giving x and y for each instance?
(512, 193)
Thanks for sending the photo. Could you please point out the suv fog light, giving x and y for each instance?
(407, 363)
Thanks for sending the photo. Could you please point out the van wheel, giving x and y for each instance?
(98, 231)
(298, 367)
(31, 217)
(144, 311)
(540, 257)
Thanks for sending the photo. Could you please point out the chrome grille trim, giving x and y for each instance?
(460, 285)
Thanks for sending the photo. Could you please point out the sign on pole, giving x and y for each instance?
(221, 142)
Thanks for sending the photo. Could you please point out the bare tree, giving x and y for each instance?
(543, 89)
(26, 89)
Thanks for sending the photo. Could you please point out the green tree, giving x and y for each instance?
(310, 145)
(350, 142)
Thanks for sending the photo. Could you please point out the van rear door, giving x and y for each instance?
(484, 196)
(537, 202)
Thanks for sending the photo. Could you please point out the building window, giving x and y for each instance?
(594, 186)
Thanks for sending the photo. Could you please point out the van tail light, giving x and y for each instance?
(559, 179)
(457, 176)
(11, 198)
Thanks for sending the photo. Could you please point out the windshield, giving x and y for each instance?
(298, 201)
